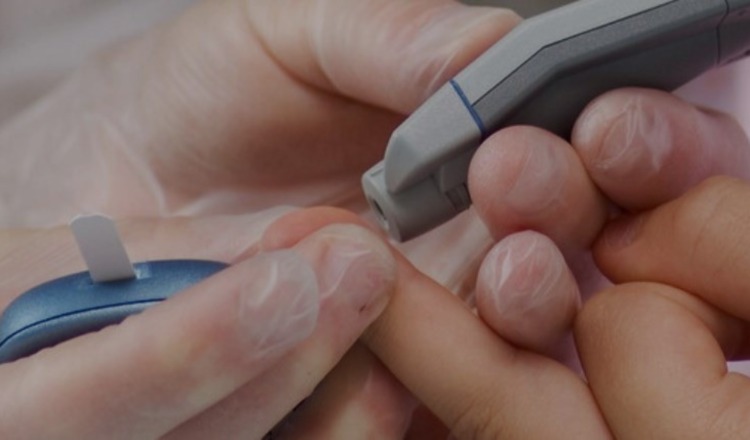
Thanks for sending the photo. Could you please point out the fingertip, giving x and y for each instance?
(354, 267)
(345, 242)
(527, 178)
(354, 275)
(629, 133)
(515, 175)
(453, 36)
(417, 47)
(644, 147)
(526, 292)
(594, 122)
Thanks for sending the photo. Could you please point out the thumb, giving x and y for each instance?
(389, 53)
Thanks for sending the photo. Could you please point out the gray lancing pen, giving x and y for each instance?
(544, 73)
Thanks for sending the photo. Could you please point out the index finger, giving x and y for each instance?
(478, 385)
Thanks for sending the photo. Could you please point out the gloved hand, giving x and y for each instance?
(241, 106)
(546, 200)
(236, 106)
(250, 342)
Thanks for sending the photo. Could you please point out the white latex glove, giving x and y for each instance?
(197, 117)
(262, 333)
(240, 106)
(235, 106)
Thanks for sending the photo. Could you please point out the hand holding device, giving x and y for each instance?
(248, 328)
(110, 291)
(543, 74)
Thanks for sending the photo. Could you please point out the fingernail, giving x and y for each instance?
(622, 232)
(279, 302)
(351, 263)
(537, 184)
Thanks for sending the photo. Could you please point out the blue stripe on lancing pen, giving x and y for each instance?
(470, 108)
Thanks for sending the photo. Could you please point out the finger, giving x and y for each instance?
(376, 390)
(646, 147)
(477, 384)
(355, 277)
(527, 294)
(697, 243)
(487, 402)
(525, 178)
(377, 401)
(391, 54)
(204, 105)
(152, 372)
(655, 359)
(358, 399)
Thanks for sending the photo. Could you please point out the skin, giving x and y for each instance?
(228, 109)
(593, 195)
(655, 346)
(170, 123)
(186, 119)
(282, 316)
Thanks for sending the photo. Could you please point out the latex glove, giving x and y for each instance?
(477, 384)
(242, 105)
(263, 332)
(236, 106)
(631, 150)
(655, 347)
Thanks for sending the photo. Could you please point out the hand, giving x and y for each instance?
(236, 106)
(655, 347)
(631, 150)
(247, 344)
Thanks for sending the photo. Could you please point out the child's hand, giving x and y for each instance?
(655, 346)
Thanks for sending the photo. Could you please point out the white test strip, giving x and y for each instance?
(101, 248)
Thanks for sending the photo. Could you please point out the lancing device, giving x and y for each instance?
(110, 291)
(544, 73)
